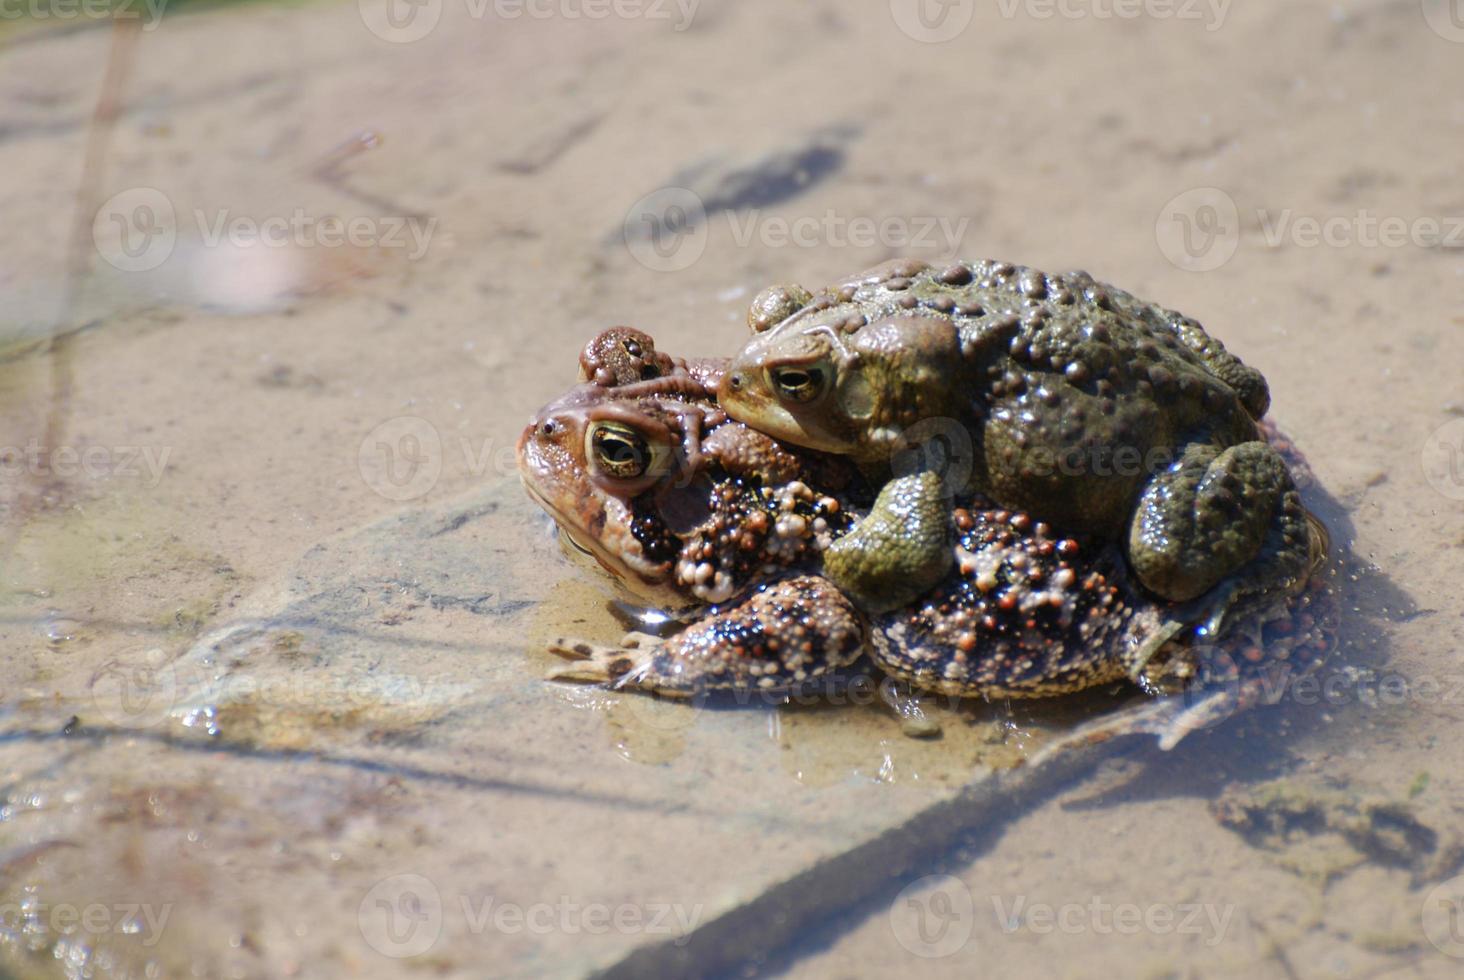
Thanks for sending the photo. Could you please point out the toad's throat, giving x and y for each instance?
(636, 574)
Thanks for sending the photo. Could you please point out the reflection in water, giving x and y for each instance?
(238, 278)
(845, 728)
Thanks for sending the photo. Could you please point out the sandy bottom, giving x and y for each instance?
(274, 604)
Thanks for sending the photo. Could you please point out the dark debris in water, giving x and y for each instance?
(776, 178)
(1322, 830)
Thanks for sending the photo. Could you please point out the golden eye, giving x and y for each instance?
(798, 384)
(619, 450)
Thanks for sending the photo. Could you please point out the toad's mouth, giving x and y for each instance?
(574, 542)
(618, 567)
(568, 528)
(641, 578)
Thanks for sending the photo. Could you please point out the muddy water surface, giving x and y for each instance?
(274, 603)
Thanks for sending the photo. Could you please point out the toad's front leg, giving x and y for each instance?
(901, 550)
(780, 639)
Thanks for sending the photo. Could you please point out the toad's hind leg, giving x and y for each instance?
(901, 550)
(780, 639)
(1229, 517)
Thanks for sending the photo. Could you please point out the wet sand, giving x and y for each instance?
(275, 621)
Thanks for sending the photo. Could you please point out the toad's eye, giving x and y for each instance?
(633, 348)
(619, 450)
(798, 384)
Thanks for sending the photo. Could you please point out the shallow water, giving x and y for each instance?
(275, 604)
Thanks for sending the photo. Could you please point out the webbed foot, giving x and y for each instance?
(592, 663)
(777, 640)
